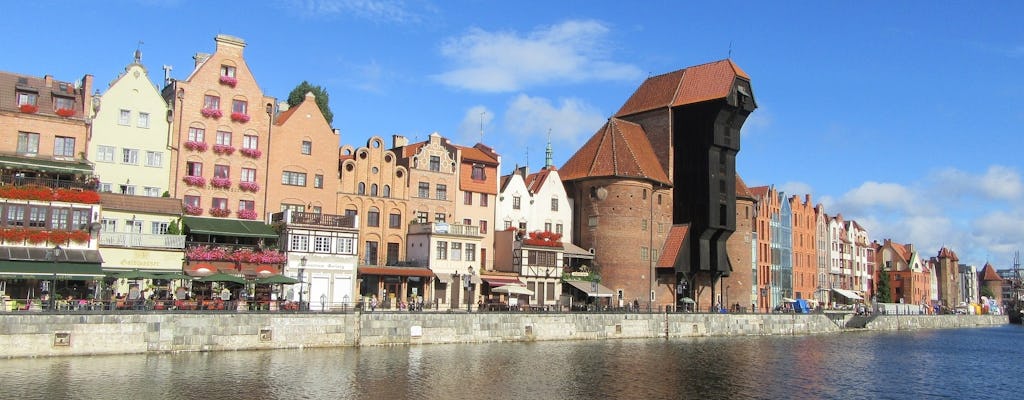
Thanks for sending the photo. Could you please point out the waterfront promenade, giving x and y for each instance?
(27, 334)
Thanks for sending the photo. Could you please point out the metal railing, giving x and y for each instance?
(120, 239)
(21, 180)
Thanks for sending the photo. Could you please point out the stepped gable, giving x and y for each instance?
(690, 85)
(619, 149)
(989, 274)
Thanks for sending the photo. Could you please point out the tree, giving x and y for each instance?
(174, 228)
(987, 292)
(882, 291)
(298, 94)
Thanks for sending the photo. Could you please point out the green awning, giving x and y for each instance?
(50, 270)
(229, 227)
(47, 165)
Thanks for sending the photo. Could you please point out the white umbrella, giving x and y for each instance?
(513, 289)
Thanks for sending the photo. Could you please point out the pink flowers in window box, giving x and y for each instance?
(249, 186)
(211, 113)
(239, 117)
(195, 146)
(220, 182)
(193, 210)
(254, 153)
(195, 180)
(65, 112)
(246, 214)
(28, 108)
(220, 212)
(223, 149)
(228, 80)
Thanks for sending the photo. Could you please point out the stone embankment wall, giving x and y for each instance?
(40, 335)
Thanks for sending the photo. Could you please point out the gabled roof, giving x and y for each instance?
(741, 188)
(619, 149)
(901, 251)
(989, 274)
(281, 118)
(690, 85)
(536, 180)
(945, 252)
(476, 154)
(673, 243)
(759, 191)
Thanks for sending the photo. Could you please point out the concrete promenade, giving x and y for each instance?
(44, 335)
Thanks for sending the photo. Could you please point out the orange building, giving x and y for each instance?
(374, 186)
(766, 199)
(805, 262)
(303, 167)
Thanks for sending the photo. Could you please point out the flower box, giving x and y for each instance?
(228, 80)
(220, 182)
(195, 146)
(223, 149)
(254, 153)
(65, 112)
(193, 210)
(195, 180)
(239, 117)
(249, 186)
(246, 214)
(33, 192)
(207, 253)
(211, 113)
(29, 108)
(220, 212)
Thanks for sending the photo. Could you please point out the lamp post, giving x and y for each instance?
(451, 287)
(467, 283)
(55, 253)
(302, 273)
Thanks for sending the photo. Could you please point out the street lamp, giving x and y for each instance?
(302, 272)
(55, 254)
(469, 288)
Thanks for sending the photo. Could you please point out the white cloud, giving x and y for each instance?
(477, 118)
(997, 183)
(889, 196)
(758, 121)
(572, 51)
(372, 10)
(571, 121)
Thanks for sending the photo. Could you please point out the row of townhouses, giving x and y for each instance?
(208, 178)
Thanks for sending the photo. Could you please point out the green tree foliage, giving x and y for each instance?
(174, 228)
(299, 94)
(883, 292)
(987, 292)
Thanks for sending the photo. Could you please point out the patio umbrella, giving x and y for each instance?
(512, 289)
(172, 276)
(277, 279)
(687, 300)
(221, 278)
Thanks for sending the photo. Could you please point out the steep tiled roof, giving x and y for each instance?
(686, 86)
(11, 83)
(155, 205)
(945, 252)
(759, 191)
(741, 188)
(281, 118)
(989, 274)
(901, 251)
(673, 243)
(536, 180)
(478, 155)
(619, 149)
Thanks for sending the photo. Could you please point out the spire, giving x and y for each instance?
(548, 159)
(138, 53)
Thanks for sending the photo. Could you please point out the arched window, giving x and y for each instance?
(362, 188)
(373, 189)
(387, 190)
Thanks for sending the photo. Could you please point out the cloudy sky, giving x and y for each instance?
(905, 116)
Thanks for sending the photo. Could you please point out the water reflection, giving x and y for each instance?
(947, 363)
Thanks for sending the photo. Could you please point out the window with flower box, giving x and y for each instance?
(15, 215)
(221, 171)
(192, 200)
(227, 70)
(240, 106)
(224, 138)
(36, 216)
(125, 117)
(196, 134)
(63, 103)
(59, 218)
(64, 146)
(26, 98)
(130, 156)
(250, 141)
(248, 175)
(105, 153)
(28, 143)
(246, 205)
(219, 203)
(194, 168)
(211, 102)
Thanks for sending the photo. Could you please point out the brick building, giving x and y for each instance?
(302, 173)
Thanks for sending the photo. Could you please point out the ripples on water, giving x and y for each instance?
(956, 363)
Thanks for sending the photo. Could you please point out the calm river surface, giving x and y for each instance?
(953, 363)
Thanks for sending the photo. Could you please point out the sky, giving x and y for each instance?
(904, 116)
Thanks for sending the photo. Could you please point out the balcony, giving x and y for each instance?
(52, 183)
(315, 219)
(118, 239)
(445, 229)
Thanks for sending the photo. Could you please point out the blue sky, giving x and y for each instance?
(905, 116)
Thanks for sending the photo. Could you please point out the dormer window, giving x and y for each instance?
(63, 103)
(27, 98)
(478, 172)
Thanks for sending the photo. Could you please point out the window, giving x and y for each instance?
(65, 103)
(395, 221)
(322, 244)
(132, 226)
(316, 210)
(643, 224)
(592, 221)
(196, 134)
(227, 70)
(28, 143)
(542, 258)
(483, 199)
(467, 198)
(124, 118)
(220, 203)
(470, 252)
(478, 172)
(522, 226)
(158, 228)
(387, 191)
(307, 147)
(373, 218)
(127, 189)
(442, 192)
(547, 227)
(483, 226)
(361, 189)
(27, 98)
(130, 156)
(150, 191)
(558, 229)
(298, 242)
(373, 190)
(105, 153)
(318, 182)
(435, 163)
(424, 190)
(108, 225)
(392, 255)
(211, 102)
(293, 178)
(508, 224)
(224, 138)
(248, 175)
(15, 215)
(516, 202)
(467, 221)
(439, 217)
(250, 141)
(80, 217)
(143, 120)
(442, 250)
(421, 217)
(346, 246)
(64, 146)
(456, 254)
(554, 204)
(643, 253)
(221, 171)
(192, 201)
(293, 207)
(194, 168)
(154, 158)
(59, 218)
(246, 205)
(240, 106)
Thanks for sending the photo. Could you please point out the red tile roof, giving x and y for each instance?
(690, 85)
(281, 118)
(945, 252)
(619, 149)
(741, 188)
(989, 274)
(536, 180)
(759, 191)
(673, 243)
(901, 251)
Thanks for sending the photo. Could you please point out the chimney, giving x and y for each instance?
(399, 141)
(48, 80)
(282, 106)
(167, 74)
(200, 58)
(230, 43)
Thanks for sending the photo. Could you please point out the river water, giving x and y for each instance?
(953, 363)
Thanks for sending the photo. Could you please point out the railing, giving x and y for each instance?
(118, 239)
(21, 180)
(315, 219)
(445, 228)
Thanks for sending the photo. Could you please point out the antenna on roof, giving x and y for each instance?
(730, 50)
(482, 126)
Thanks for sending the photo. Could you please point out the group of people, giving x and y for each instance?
(409, 304)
